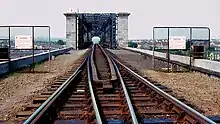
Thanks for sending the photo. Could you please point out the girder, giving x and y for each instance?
(102, 25)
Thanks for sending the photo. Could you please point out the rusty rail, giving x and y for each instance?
(110, 91)
(95, 107)
(94, 74)
(36, 116)
(186, 109)
(40, 114)
(113, 73)
(128, 100)
(132, 99)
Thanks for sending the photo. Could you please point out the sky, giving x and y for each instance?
(145, 14)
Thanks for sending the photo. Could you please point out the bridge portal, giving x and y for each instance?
(111, 28)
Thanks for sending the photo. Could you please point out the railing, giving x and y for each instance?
(21, 62)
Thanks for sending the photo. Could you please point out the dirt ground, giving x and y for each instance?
(18, 89)
(199, 89)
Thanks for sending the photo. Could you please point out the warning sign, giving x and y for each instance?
(23, 42)
(177, 42)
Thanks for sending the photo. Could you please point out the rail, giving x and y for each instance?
(113, 75)
(37, 115)
(114, 71)
(188, 110)
(94, 73)
(128, 100)
(96, 111)
(95, 107)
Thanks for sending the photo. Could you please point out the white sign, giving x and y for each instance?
(23, 42)
(177, 42)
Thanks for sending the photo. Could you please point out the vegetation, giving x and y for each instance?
(14, 74)
(60, 42)
(132, 44)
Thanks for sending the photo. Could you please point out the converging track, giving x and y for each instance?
(103, 90)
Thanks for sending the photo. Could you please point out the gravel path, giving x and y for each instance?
(18, 89)
(197, 88)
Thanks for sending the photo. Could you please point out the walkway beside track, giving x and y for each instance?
(201, 65)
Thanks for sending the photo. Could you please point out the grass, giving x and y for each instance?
(37, 64)
(14, 74)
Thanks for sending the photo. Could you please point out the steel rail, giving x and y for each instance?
(128, 100)
(43, 108)
(113, 75)
(94, 104)
(188, 110)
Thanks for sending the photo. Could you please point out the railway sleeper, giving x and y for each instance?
(156, 112)
(77, 99)
(58, 83)
(130, 82)
(62, 80)
(72, 105)
(141, 98)
(111, 105)
(24, 114)
(106, 86)
(74, 114)
(39, 100)
(79, 96)
(81, 86)
(43, 96)
(140, 95)
(55, 86)
(47, 93)
(52, 89)
(136, 91)
(78, 92)
(110, 99)
(108, 95)
(32, 106)
(72, 121)
(145, 104)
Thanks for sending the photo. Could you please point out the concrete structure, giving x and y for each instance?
(206, 66)
(81, 27)
(71, 29)
(123, 28)
(25, 61)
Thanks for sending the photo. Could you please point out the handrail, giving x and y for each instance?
(193, 113)
(42, 109)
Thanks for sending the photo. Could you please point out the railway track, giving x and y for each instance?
(103, 90)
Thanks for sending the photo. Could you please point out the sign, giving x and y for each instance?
(23, 42)
(177, 42)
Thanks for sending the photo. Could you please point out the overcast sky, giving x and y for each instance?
(144, 13)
